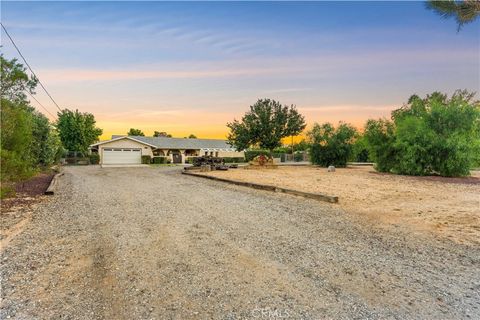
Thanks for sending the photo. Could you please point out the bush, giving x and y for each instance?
(146, 159)
(331, 146)
(298, 156)
(159, 160)
(435, 135)
(94, 158)
(234, 159)
(380, 138)
(360, 150)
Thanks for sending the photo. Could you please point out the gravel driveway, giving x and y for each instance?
(149, 243)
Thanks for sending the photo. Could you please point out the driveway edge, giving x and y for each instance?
(51, 188)
(315, 196)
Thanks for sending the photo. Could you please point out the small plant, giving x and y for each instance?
(159, 160)
(146, 159)
(94, 158)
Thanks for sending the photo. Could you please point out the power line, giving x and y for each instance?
(31, 70)
(41, 105)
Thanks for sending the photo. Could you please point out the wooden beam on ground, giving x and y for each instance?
(51, 188)
(315, 196)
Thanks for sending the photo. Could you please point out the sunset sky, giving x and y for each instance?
(191, 67)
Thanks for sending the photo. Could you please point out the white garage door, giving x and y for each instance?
(122, 156)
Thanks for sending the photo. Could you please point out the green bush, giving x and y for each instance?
(360, 150)
(146, 159)
(331, 146)
(435, 135)
(380, 138)
(234, 159)
(298, 156)
(159, 160)
(94, 158)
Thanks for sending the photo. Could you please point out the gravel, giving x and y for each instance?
(150, 243)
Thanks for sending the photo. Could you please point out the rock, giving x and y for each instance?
(331, 169)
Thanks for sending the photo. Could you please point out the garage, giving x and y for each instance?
(122, 156)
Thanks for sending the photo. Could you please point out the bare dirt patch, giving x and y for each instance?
(447, 207)
(16, 211)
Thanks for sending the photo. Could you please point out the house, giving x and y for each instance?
(130, 149)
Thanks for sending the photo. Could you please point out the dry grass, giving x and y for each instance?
(446, 207)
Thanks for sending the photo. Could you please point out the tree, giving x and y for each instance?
(77, 130)
(192, 136)
(360, 150)
(28, 141)
(135, 132)
(380, 137)
(462, 11)
(331, 146)
(15, 81)
(161, 134)
(265, 125)
(433, 135)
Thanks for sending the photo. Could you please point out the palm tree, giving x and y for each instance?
(463, 11)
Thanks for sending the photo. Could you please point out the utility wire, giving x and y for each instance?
(41, 105)
(25, 60)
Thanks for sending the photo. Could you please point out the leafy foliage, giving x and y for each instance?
(192, 136)
(380, 138)
(435, 135)
(331, 146)
(77, 130)
(462, 11)
(135, 132)
(360, 150)
(161, 134)
(28, 140)
(265, 125)
(15, 81)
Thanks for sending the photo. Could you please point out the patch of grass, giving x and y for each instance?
(6, 191)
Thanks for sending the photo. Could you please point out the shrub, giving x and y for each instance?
(146, 159)
(94, 158)
(380, 138)
(234, 159)
(159, 160)
(360, 150)
(435, 135)
(298, 156)
(331, 146)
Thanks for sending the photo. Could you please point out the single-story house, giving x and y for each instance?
(130, 149)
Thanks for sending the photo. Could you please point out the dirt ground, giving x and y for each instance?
(151, 243)
(446, 207)
(16, 210)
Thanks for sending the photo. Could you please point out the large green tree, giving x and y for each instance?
(462, 11)
(433, 135)
(77, 130)
(135, 132)
(265, 125)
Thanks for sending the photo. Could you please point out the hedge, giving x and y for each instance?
(146, 159)
(159, 160)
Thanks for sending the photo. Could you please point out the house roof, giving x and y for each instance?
(175, 143)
